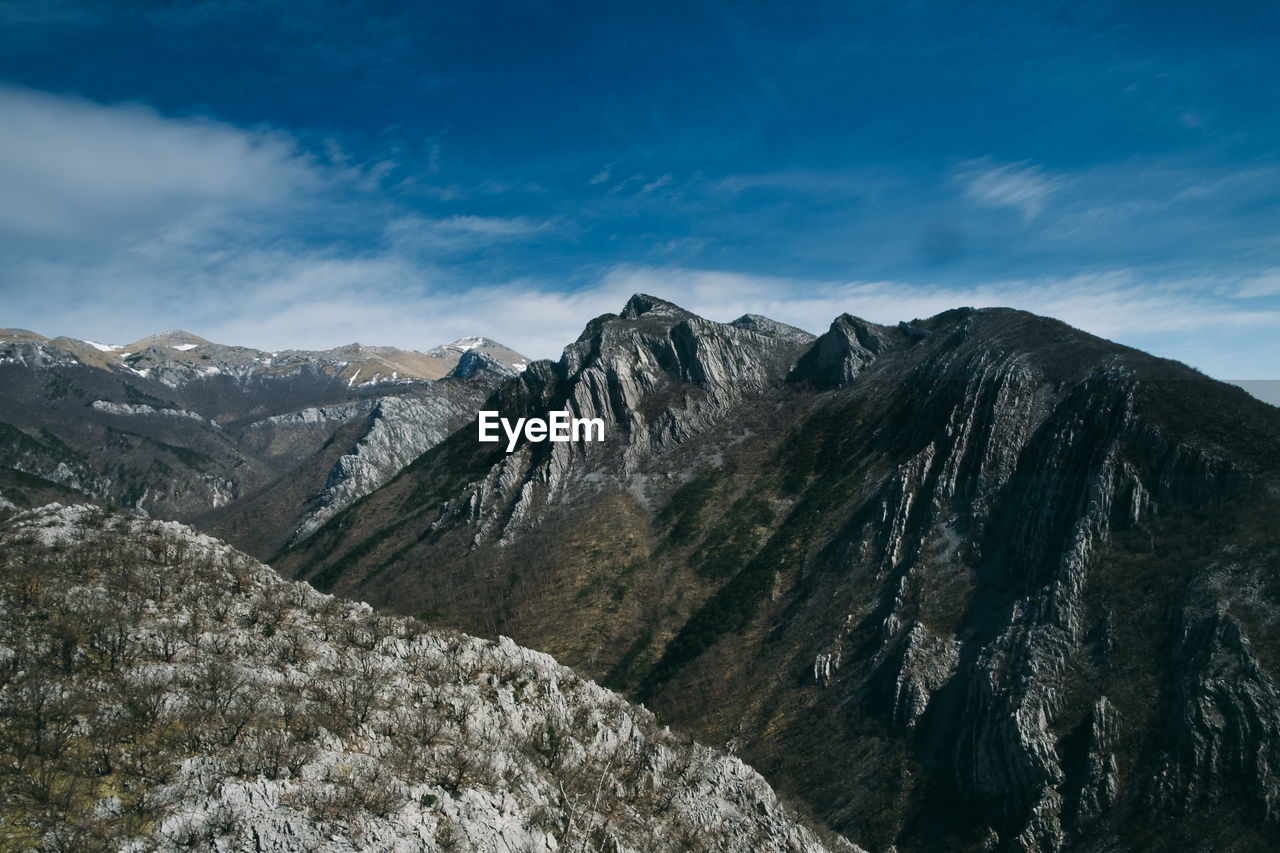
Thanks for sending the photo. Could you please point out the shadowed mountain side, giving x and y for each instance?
(962, 583)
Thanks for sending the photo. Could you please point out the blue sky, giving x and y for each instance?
(305, 175)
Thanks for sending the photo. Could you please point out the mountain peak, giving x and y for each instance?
(772, 328)
(168, 338)
(452, 354)
(473, 360)
(642, 303)
(841, 352)
(465, 345)
(20, 335)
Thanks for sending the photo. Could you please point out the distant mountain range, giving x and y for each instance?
(259, 447)
(979, 581)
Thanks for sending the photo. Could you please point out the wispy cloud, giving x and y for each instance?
(807, 182)
(1109, 304)
(656, 184)
(1263, 284)
(461, 233)
(1021, 186)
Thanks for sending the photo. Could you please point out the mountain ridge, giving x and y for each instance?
(173, 350)
(895, 519)
(260, 447)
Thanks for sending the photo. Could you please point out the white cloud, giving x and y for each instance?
(1020, 186)
(116, 221)
(276, 299)
(1263, 284)
(76, 170)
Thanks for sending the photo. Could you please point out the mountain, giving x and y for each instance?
(161, 691)
(979, 581)
(259, 447)
(448, 356)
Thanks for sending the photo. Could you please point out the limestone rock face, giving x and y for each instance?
(1224, 715)
(656, 375)
(401, 428)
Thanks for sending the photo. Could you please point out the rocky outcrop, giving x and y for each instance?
(160, 690)
(841, 354)
(1223, 718)
(927, 663)
(656, 375)
(143, 410)
(316, 416)
(400, 430)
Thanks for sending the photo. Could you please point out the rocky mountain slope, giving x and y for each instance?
(975, 582)
(162, 691)
(259, 447)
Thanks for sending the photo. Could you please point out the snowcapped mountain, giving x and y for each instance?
(492, 350)
(177, 357)
(261, 447)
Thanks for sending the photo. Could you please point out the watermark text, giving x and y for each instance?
(557, 426)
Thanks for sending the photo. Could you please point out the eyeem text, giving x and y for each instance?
(558, 426)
